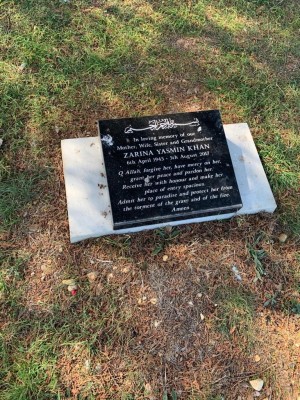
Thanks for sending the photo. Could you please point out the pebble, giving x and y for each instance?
(92, 276)
(165, 257)
(87, 365)
(202, 317)
(282, 237)
(110, 276)
(257, 384)
(72, 287)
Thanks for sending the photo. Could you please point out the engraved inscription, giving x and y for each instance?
(165, 168)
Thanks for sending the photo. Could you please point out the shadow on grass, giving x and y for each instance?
(85, 61)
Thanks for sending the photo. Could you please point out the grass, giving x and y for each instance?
(149, 324)
(236, 314)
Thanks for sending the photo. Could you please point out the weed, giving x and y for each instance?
(272, 300)
(165, 236)
(257, 256)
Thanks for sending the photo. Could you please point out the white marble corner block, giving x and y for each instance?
(87, 191)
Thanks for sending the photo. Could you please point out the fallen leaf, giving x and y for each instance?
(70, 282)
(22, 67)
(232, 330)
(99, 289)
(257, 384)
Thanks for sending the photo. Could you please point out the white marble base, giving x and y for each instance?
(89, 205)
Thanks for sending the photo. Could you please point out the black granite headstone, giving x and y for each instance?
(168, 167)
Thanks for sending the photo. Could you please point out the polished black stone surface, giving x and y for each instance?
(168, 167)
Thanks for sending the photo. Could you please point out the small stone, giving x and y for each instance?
(191, 304)
(98, 367)
(256, 358)
(156, 324)
(32, 274)
(56, 129)
(92, 276)
(257, 384)
(199, 295)
(110, 276)
(202, 317)
(282, 238)
(165, 257)
(71, 288)
(87, 365)
(153, 301)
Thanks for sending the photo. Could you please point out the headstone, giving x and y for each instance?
(167, 168)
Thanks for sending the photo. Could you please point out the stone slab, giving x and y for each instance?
(169, 167)
(87, 193)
